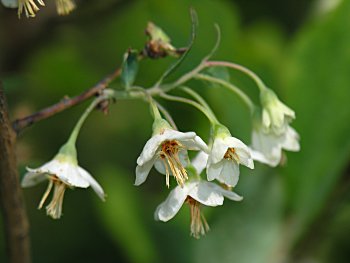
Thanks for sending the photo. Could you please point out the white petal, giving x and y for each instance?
(206, 193)
(142, 171)
(291, 142)
(176, 135)
(230, 173)
(150, 149)
(199, 162)
(233, 142)
(69, 174)
(169, 208)
(228, 194)
(218, 150)
(10, 3)
(214, 170)
(268, 144)
(245, 157)
(93, 183)
(153, 144)
(32, 178)
(159, 166)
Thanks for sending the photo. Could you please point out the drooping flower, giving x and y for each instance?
(62, 172)
(226, 154)
(275, 115)
(267, 146)
(29, 7)
(64, 7)
(167, 151)
(195, 193)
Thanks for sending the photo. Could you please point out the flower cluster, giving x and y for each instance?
(167, 149)
(271, 130)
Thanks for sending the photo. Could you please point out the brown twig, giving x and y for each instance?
(15, 219)
(20, 124)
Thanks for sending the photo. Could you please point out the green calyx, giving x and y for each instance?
(67, 153)
(221, 131)
(267, 97)
(159, 125)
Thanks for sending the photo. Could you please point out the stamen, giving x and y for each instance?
(54, 209)
(199, 225)
(231, 155)
(29, 6)
(170, 156)
(64, 7)
(46, 194)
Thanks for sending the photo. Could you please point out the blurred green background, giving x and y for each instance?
(296, 213)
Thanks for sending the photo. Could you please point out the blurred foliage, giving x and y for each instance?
(298, 212)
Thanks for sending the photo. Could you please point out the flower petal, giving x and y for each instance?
(199, 162)
(150, 149)
(228, 194)
(153, 144)
(218, 150)
(32, 178)
(142, 171)
(245, 157)
(195, 144)
(214, 170)
(233, 142)
(169, 208)
(291, 142)
(93, 183)
(230, 173)
(69, 174)
(10, 3)
(206, 193)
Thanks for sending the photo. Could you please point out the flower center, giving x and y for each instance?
(169, 154)
(54, 208)
(199, 225)
(231, 155)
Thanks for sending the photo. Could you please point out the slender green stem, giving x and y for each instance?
(74, 135)
(238, 67)
(231, 87)
(213, 120)
(166, 114)
(168, 87)
(198, 97)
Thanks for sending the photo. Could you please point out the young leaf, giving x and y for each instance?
(129, 68)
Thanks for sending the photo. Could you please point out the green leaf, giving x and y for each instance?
(317, 81)
(122, 217)
(129, 68)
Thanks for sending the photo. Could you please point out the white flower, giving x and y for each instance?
(10, 3)
(275, 115)
(267, 146)
(199, 162)
(29, 6)
(64, 7)
(227, 153)
(194, 193)
(62, 172)
(167, 151)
